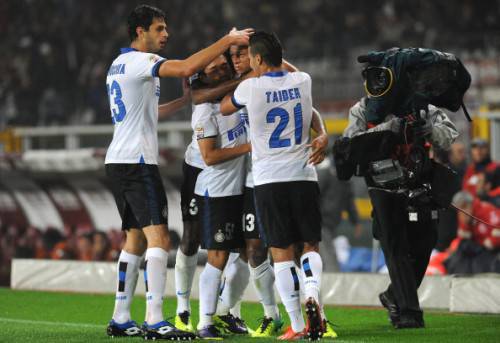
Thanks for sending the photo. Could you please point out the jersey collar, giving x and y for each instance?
(275, 73)
(125, 50)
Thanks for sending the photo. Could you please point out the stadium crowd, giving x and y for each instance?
(53, 69)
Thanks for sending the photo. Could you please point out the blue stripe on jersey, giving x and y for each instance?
(141, 160)
(235, 103)
(156, 68)
(125, 50)
(275, 73)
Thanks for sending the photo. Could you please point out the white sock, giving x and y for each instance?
(185, 266)
(287, 283)
(127, 272)
(312, 268)
(263, 280)
(236, 310)
(210, 280)
(236, 276)
(155, 277)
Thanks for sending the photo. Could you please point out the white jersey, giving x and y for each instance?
(279, 108)
(249, 177)
(193, 156)
(226, 178)
(133, 91)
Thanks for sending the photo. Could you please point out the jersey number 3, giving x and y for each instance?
(275, 141)
(115, 95)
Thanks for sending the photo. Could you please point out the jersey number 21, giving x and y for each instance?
(275, 141)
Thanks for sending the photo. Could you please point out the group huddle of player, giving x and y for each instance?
(249, 191)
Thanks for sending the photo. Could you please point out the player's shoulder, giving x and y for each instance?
(206, 109)
(300, 76)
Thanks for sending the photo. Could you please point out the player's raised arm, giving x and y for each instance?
(196, 62)
(172, 107)
(227, 106)
(207, 94)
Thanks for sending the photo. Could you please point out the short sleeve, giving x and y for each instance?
(242, 94)
(149, 65)
(206, 125)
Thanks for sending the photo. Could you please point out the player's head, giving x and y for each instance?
(240, 58)
(146, 25)
(217, 71)
(265, 50)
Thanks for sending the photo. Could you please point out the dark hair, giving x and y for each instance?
(268, 46)
(142, 16)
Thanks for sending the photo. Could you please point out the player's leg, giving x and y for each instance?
(127, 274)
(287, 283)
(121, 323)
(273, 212)
(187, 254)
(221, 233)
(262, 277)
(236, 277)
(149, 204)
(261, 271)
(210, 282)
(305, 196)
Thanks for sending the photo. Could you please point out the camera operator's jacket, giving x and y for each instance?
(443, 134)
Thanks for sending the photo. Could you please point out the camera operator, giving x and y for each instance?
(407, 242)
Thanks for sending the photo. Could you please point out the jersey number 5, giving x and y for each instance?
(115, 94)
(275, 141)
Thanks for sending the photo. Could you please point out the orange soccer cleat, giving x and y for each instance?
(291, 335)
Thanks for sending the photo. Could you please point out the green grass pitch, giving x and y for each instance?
(28, 316)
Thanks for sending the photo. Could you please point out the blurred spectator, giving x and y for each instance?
(53, 70)
(336, 196)
(100, 247)
(479, 248)
(488, 187)
(84, 250)
(481, 163)
(447, 225)
(457, 159)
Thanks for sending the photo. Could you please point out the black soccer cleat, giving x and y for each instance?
(413, 320)
(127, 329)
(167, 331)
(314, 325)
(392, 308)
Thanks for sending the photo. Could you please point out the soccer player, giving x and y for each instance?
(219, 187)
(131, 164)
(280, 114)
(187, 254)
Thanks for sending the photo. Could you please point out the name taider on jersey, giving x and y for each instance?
(134, 89)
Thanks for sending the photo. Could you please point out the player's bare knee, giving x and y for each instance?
(217, 258)
(135, 242)
(190, 241)
(157, 236)
(283, 254)
(310, 247)
(257, 254)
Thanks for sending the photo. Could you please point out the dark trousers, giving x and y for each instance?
(407, 247)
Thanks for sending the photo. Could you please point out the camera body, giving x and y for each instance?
(402, 81)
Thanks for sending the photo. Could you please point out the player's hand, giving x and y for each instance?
(319, 146)
(240, 37)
